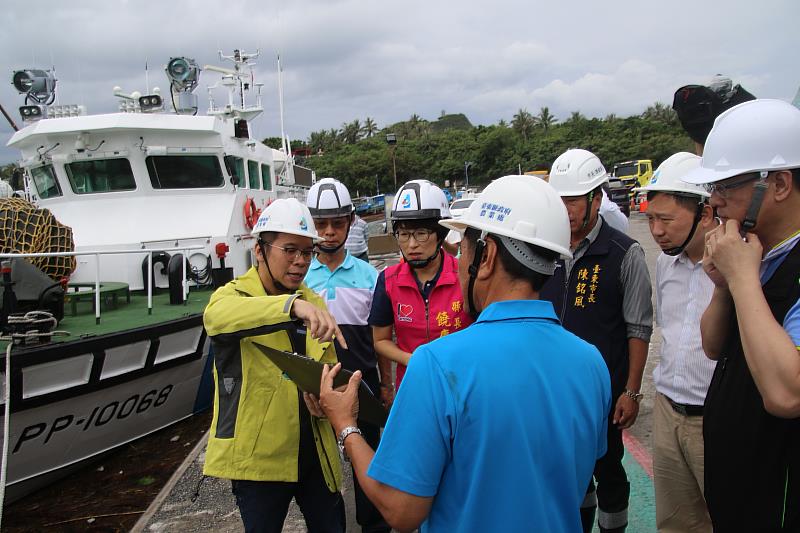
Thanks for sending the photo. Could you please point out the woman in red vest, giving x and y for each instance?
(419, 299)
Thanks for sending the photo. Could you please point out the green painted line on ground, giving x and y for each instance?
(642, 505)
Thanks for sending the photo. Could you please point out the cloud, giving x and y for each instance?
(628, 90)
(347, 59)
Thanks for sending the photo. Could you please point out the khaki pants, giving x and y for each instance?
(678, 470)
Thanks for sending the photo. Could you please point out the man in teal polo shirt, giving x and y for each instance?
(347, 285)
(497, 426)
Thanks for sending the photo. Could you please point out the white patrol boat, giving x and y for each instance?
(160, 202)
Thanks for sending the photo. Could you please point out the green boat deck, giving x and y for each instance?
(126, 315)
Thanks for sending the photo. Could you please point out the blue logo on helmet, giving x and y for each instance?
(406, 203)
(655, 177)
(303, 224)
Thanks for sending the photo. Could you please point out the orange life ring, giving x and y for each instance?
(251, 213)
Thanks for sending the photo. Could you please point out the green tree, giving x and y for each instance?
(438, 153)
(6, 171)
(370, 128)
(545, 119)
(575, 118)
(659, 112)
(351, 132)
(523, 123)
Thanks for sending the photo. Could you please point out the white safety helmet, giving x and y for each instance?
(329, 198)
(759, 135)
(286, 215)
(522, 208)
(669, 175)
(577, 172)
(418, 200)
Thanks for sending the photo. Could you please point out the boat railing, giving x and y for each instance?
(97, 253)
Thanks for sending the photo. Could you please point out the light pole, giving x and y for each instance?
(391, 140)
(467, 164)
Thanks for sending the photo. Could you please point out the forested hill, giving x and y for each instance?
(359, 155)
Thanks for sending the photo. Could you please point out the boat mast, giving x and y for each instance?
(280, 104)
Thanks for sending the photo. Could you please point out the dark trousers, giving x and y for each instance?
(367, 515)
(613, 490)
(264, 504)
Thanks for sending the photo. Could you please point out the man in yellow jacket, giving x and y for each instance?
(262, 436)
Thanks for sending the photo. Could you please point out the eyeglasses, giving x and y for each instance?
(420, 235)
(723, 188)
(293, 253)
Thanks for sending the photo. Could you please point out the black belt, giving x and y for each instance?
(685, 410)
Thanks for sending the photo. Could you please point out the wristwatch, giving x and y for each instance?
(635, 396)
(346, 432)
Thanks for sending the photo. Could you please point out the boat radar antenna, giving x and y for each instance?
(237, 81)
(136, 102)
(183, 74)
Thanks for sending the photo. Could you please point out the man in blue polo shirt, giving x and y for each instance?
(347, 285)
(497, 426)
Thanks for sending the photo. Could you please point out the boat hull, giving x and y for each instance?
(74, 401)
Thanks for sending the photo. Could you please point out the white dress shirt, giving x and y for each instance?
(613, 214)
(683, 291)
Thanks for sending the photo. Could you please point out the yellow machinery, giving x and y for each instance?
(634, 173)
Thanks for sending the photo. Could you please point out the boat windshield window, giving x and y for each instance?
(238, 165)
(100, 175)
(184, 171)
(252, 172)
(265, 177)
(44, 178)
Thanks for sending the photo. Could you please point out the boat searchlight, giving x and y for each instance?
(39, 88)
(39, 85)
(183, 73)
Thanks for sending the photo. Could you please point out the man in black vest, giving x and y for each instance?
(603, 296)
(751, 167)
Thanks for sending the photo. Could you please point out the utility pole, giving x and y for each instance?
(467, 164)
(391, 140)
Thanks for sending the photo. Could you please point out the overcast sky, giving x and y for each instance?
(347, 59)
